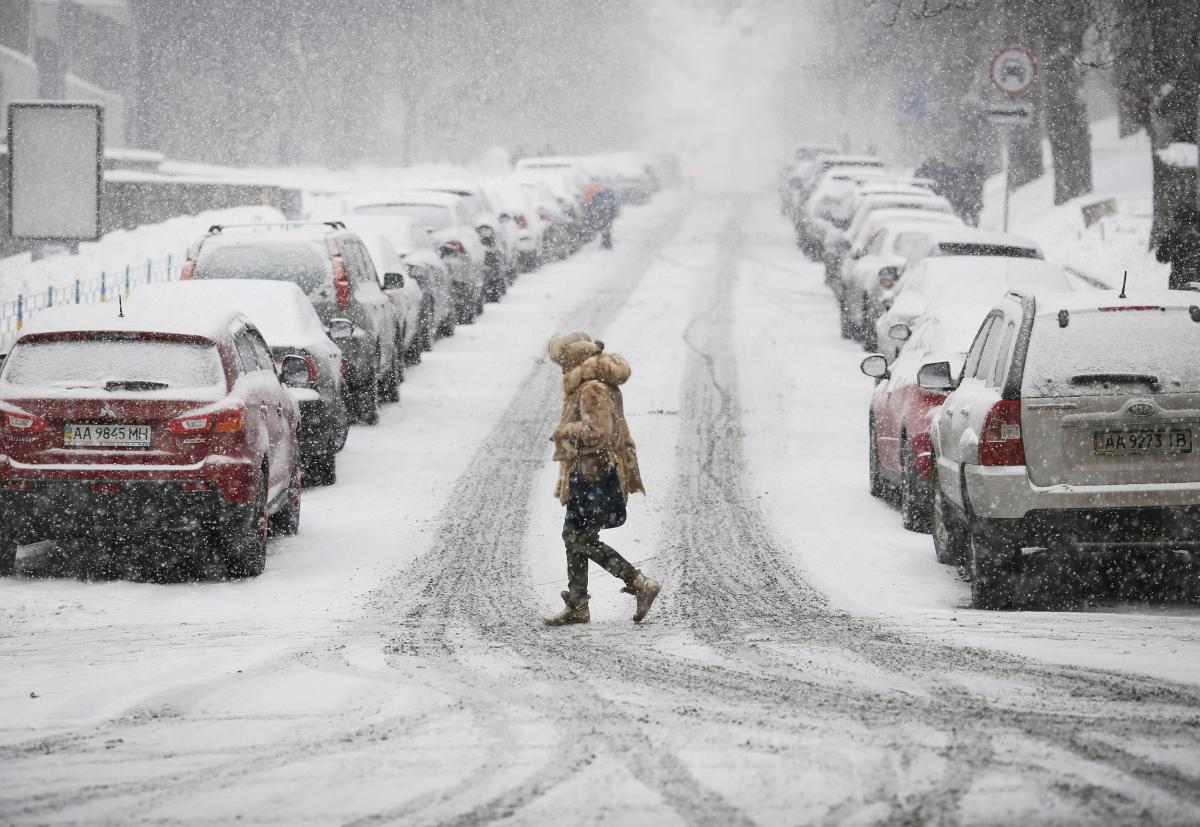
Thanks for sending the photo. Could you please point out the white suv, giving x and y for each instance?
(1074, 424)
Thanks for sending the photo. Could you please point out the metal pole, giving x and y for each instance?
(1005, 133)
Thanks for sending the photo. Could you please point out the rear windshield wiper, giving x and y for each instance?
(134, 385)
(1118, 378)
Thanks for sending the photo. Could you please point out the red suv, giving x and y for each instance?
(158, 424)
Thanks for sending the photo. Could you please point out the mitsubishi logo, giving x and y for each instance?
(106, 411)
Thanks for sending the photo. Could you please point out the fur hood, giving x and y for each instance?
(609, 368)
(572, 349)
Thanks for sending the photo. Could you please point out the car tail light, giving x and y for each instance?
(24, 424)
(522, 222)
(545, 216)
(341, 282)
(345, 367)
(314, 370)
(457, 246)
(1001, 442)
(189, 269)
(223, 421)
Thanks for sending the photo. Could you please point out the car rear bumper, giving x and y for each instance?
(59, 509)
(233, 480)
(1005, 501)
(1101, 529)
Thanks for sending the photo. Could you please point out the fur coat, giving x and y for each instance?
(592, 429)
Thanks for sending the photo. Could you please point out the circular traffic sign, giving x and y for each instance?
(1013, 70)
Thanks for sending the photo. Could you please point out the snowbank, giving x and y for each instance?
(1114, 244)
(115, 264)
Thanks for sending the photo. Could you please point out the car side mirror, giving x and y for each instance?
(900, 332)
(856, 254)
(505, 218)
(393, 281)
(888, 276)
(936, 376)
(340, 329)
(293, 372)
(875, 366)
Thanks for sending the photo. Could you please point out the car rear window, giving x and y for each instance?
(1081, 358)
(427, 215)
(116, 364)
(1002, 250)
(299, 262)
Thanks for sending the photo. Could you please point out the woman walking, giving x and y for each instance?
(599, 470)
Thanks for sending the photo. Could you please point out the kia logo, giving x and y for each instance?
(1141, 409)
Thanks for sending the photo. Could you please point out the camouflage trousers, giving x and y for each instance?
(583, 544)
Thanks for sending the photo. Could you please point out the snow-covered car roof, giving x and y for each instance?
(972, 235)
(205, 322)
(401, 230)
(891, 187)
(548, 162)
(279, 309)
(851, 160)
(998, 269)
(433, 198)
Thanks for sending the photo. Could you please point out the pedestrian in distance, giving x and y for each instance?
(1180, 245)
(598, 470)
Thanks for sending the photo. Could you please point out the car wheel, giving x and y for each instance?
(867, 333)
(914, 495)
(320, 469)
(366, 401)
(466, 313)
(286, 521)
(246, 545)
(847, 329)
(878, 487)
(389, 387)
(8, 550)
(995, 566)
(949, 543)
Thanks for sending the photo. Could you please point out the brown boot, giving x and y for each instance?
(645, 589)
(575, 612)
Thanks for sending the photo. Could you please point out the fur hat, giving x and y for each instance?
(572, 349)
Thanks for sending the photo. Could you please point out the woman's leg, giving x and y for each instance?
(584, 544)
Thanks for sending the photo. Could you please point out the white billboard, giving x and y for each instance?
(55, 157)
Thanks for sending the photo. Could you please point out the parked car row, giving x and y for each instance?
(1012, 413)
(191, 415)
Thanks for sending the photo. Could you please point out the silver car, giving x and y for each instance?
(1072, 426)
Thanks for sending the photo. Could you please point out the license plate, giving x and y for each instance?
(1143, 441)
(84, 435)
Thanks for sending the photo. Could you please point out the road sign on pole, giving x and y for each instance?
(1014, 113)
(1013, 70)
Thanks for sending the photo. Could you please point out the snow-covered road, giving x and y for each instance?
(808, 661)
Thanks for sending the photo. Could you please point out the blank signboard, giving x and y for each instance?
(55, 152)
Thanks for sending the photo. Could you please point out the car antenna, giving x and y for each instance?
(1124, 279)
(120, 307)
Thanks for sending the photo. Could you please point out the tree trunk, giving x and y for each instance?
(1067, 129)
